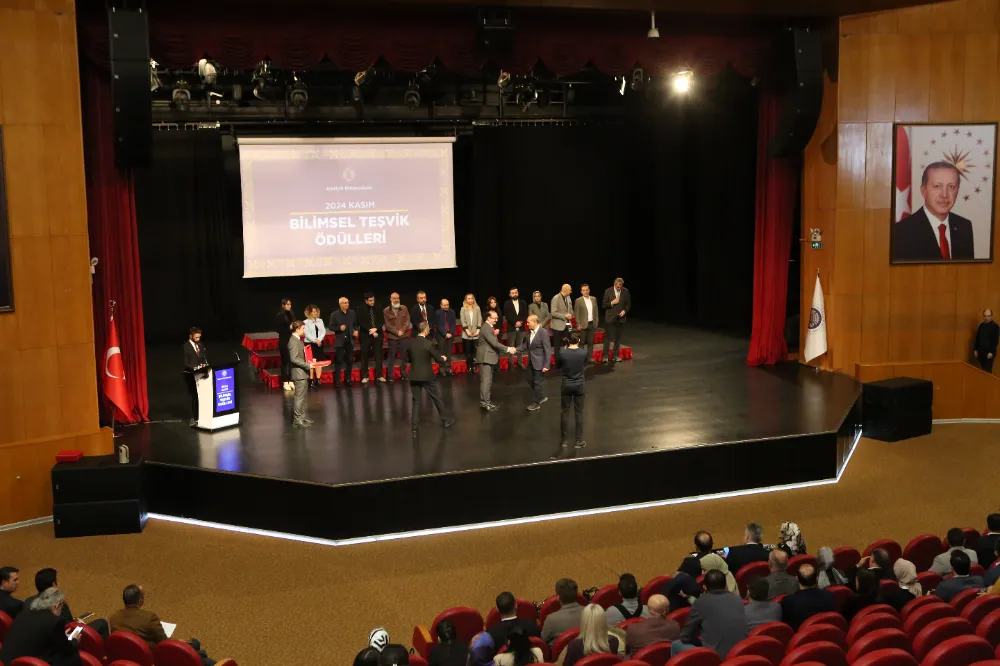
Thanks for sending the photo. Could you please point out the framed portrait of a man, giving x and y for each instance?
(944, 196)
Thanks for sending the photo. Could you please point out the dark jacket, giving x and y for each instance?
(416, 317)
(781, 582)
(423, 353)
(42, 635)
(719, 619)
(987, 337)
(512, 317)
(985, 547)
(896, 597)
(799, 607)
(444, 322)
(574, 651)
(10, 605)
(192, 359)
(947, 589)
(455, 653)
(913, 239)
(853, 605)
(654, 629)
(624, 304)
(571, 363)
(347, 319)
(366, 315)
(740, 556)
(282, 322)
(499, 631)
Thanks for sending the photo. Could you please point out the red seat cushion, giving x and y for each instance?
(657, 654)
(887, 657)
(841, 593)
(760, 646)
(654, 586)
(175, 653)
(87, 659)
(562, 640)
(817, 633)
(929, 580)
(5, 622)
(874, 608)
(748, 572)
(845, 560)
(90, 640)
(28, 661)
(922, 550)
(980, 607)
(836, 619)
(123, 645)
(872, 622)
(938, 632)
(607, 596)
(921, 617)
(964, 598)
(916, 603)
(749, 660)
(468, 622)
(959, 651)
(680, 616)
(894, 549)
(823, 652)
(797, 561)
(696, 657)
(879, 639)
(777, 630)
(989, 628)
(600, 660)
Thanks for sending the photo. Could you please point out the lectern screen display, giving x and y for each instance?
(225, 391)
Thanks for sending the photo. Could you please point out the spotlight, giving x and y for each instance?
(503, 80)
(214, 98)
(683, 81)
(154, 80)
(412, 96)
(207, 71)
(297, 95)
(361, 78)
(262, 74)
(181, 96)
(653, 32)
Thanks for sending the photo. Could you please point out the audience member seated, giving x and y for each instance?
(960, 564)
(395, 654)
(594, 637)
(519, 650)
(713, 562)
(568, 616)
(9, 580)
(146, 624)
(828, 574)
(630, 606)
(878, 563)
(751, 551)
(993, 573)
(779, 581)
(956, 541)
(378, 638)
(808, 601)
(46, 578)
(654, 629)
(507, 607)
(986, 545)
(761, 609)
(867, 593)
(368, 657)
(683, 588)
(449, 651)
(907, 589)
(40, 631)
(790, 539)
(703, 544)
(716, 617)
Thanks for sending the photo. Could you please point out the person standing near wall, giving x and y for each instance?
(987, 337)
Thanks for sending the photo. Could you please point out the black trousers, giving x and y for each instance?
(612, 329)
(433, 391)
(535, 378)
(345, 361)
(469, 349)
(444, 349)
(371, 345)
(587, 338)
(571, 397)
(985, 363)
(193, 393)
(557, 338)
(399, 346)
(286, 363)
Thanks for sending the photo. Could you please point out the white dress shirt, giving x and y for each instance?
(590, 309)
(531, 338)
(935, 223)
(517, 306)
(194, 345)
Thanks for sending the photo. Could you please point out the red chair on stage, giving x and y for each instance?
(893, 548)
(874, 608)
(938, 632)
(607, 596)
(748, 572)
(929, 580)
(872, 622)
(887, 657)
(696, 657)
(90, 640)
(980, 607)
(552, 604)
(5, 622)
(123, 645)
(922, 550)
(654, 586)
(836, 619)
(841, 593)
(600, 660)
(175, 653)
(828, 654)
(779, 631)
(797, 561)
(625, 624)
(766, 647)
(921, 617)
(525, 611)
(818, 633)
(959, 651)
(845, 560)
(916, 603)
(989, 628)
(680, 616)
(564, 639)
(880, 639)
(749, 660)
(657, 654)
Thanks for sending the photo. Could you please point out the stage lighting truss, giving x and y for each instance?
(181, 96)
(411, 98)
(263, 78)
(298, 96)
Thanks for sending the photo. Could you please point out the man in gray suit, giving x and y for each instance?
(539, 349)
(562, 311)
(487, 357)
(299, 373)
(717, 617)
(587, 317)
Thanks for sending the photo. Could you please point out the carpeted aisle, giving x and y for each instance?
(268, 601)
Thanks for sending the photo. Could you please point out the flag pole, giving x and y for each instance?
(114, 433)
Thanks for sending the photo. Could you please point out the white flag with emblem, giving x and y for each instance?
(816, 335)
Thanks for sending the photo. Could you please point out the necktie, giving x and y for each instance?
(196, 349)
(943, 240)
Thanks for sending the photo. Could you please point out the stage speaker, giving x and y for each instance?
(128, 33)
(896, 409)
(97, 518)
(495, 31)
(98, 495)
(805, 100)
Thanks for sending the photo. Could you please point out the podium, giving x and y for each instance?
(218, 396)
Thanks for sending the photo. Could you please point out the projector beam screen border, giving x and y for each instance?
(336, 205)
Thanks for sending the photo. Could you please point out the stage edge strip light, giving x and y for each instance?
(512, 521)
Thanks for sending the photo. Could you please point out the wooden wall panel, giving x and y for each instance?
(882, 65)
(851, 140)
(71, 282)
(848, 251)
(980, 77)
(26, 186)
(852, 86)
(913, 78)
(947, 70)
(878, 166)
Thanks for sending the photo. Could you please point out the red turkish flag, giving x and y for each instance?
(114, 373)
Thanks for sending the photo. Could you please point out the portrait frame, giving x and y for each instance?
(970, 148)
(6, 269)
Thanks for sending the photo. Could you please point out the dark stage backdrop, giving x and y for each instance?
(665, 200)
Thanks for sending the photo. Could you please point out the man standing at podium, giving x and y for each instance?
(299, 373)
(195, 358)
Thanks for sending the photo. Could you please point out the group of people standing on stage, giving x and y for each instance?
(424, 335)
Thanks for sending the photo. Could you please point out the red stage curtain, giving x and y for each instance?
(114, 241)
(776, 190)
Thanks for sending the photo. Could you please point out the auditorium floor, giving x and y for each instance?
(268, 601)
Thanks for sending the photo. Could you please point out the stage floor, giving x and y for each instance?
(685, 389)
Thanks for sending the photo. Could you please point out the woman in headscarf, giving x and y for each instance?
(907, 589)
(482, 650)
(594, 637)
(713, 561)
(683, 588)
(828, 574)
(791, 540)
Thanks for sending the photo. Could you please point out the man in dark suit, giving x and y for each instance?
(515, 313)
(751, 551)
(344, 324)
(444, 332)
(808, 601)
(539, 349)
(421, 312)
(617, 303)
(949, 587)
(195, 359)
(487, 357)
(371, 321)
(987, 338)
(654, 629)
(300, 374)
(423, 355)
(46, 579)
(41, 633)
(779, 581)
(934, 233)
(717, 617)
(987, 545)
(507, 607)
(9, 580)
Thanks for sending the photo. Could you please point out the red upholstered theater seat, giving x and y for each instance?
(988, 662)
(680, 616)
(916, 603)
(894, 549)
(552, 604)
(123, 645)
(28, 661)
(654, 586)
(625, 624)
(126, 662)
(922, 550)
(600, 660)
(964, 598)
(417, 660)
(921, 617)
(938, 632)
(90, 640)
(468, 622)
(874, 608)
(887, 657)
(748, 572)
(5, 623)
(696, 657)
(828, 654)
(819, 633)
(630, 662)
(846, 559)
(607, 596)
(87, 659)
(766, 647)
(749, 660)
(797, 561)
(977, 570)
(872, 622)
(980, 607)
(989, 628)
(886, 585)
(841, 593)
(657, 654)
(525, 610)
(880, 639)
(836, 619)
(175, 653)
(959, 651)
(776, 630)
(561, 641)
(929, 580)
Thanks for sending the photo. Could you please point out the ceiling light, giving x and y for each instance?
(653, 32)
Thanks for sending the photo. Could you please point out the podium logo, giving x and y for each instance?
(349, 175)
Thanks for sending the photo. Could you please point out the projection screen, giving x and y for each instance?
(325, 206)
